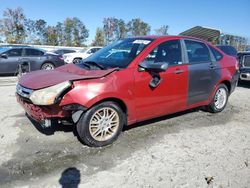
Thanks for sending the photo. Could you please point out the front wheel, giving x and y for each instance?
(220, 99)
(101, 125)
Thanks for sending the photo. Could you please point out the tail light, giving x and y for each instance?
(61, 57)
(237, 64)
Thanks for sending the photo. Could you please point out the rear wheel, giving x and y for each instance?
(101, 125)
(47, 66)
(220, 99)
(77, 60)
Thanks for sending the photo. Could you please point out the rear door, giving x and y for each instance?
(204, 72)
(9, 65)
(34, 57)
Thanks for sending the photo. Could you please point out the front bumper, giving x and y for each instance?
(41, 113)
(245, 76)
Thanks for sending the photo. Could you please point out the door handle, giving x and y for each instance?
(178, 71)
(212, 66)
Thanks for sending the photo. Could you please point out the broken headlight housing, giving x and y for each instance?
(48, 96)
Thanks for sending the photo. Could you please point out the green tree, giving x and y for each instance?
(40, 28)
(163, 30)
(80, 32)
(51, 36)
(99, 38)
(122, 29)
(30, 31)
(60, 33)
(75, 33)
(13, 26)
(35, 31)
(113, 29)
(68, 25)
(137, 27)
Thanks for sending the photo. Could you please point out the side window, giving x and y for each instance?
(14, 52)
(33, 52)
(197, 52)
(218, 56)
(93, 50)
(169, 52)
(246, 61)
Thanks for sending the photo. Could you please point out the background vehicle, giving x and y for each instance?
(146, 77)
(38, 59)
(63, 51)
(229, 50)
(82, 54)
(244, 62)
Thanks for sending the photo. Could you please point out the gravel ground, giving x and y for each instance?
(188, 149)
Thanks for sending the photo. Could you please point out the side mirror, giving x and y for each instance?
(152, 66)
(4, 56)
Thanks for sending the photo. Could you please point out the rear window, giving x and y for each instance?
(197, 52)
(217, 55)
(229, 50)
(33, 52)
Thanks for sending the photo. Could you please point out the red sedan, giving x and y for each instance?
(130, 81)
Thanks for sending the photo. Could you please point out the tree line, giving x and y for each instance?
(16, 28)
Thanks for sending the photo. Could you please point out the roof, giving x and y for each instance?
(202, 32)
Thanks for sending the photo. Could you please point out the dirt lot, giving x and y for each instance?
(189, 149)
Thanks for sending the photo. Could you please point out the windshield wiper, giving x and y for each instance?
(85, 64)
(94, 63)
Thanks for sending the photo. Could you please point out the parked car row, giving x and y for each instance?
(35, 59)
(76, 57)
(14, 56)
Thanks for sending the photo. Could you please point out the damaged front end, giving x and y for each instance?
(43, 105)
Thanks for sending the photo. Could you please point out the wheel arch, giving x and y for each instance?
(120, 102)
(228, 85)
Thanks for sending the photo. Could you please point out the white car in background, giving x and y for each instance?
(82, 54)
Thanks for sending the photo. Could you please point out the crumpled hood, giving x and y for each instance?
(44, 78)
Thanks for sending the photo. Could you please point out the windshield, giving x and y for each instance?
(119, 54)
(3, 49)
(82, 50)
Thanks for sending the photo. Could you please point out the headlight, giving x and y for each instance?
(47, 96)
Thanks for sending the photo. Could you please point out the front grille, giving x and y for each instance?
(246, 61)
(22, 91)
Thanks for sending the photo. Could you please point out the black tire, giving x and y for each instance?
(212, 107)
(83, 125)
(47, 66)
(77, 60)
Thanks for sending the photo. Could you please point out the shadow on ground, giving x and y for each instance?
(70, 178)
(245, 84)
(43, 154)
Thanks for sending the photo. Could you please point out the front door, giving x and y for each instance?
(171, 93)
(9, 65)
